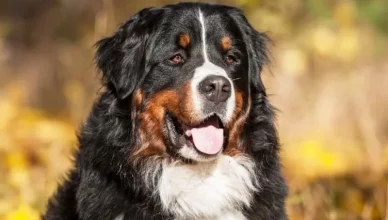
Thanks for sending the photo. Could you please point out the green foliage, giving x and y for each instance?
(318, 8)
(375, 12)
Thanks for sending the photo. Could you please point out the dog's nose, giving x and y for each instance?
(215, 88)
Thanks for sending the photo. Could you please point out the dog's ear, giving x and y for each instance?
(260, 58)
(257, 48)
(122, 57)
(261, 125)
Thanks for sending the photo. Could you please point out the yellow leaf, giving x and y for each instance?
(8, 111)
(54, 131)
(16, 159)
(23, 212)
(18, 177)
(345, 13)
(348, 44)
(294, 62)
(323, 41)
(312, 158)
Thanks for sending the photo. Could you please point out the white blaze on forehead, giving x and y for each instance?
(208, 68)
(203, 33)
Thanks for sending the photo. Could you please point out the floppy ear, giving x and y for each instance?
(121, 57)
(260, 57)
(256, 44)
(261, 118)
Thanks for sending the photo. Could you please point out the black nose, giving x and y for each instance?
(215, 88)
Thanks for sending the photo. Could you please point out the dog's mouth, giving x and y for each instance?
(207, 137)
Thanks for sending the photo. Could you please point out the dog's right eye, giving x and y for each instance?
(177, 59)
(230, 59)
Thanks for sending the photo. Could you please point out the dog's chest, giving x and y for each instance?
(216, 190)
(227, 215)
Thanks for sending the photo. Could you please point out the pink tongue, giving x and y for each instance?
(208, 138)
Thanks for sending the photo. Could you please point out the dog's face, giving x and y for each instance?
(188, 71)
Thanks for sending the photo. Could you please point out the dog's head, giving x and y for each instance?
(188, 71)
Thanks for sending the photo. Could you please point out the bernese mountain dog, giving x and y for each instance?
(184, 129)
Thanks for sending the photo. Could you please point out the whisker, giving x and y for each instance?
(236, 78)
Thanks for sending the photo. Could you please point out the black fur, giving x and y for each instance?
(103, 184)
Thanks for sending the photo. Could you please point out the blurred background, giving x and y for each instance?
(328, 78)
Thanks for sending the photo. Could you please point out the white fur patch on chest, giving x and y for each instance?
(213, 190)
(229, 215)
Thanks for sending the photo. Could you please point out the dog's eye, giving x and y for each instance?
(176, 59)
(230, 59)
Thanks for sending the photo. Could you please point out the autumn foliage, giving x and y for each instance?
(328, 78)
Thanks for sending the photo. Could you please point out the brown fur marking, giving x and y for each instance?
(236, 126)
(152, 119)
(184, 40)
(226, 43)
(179, 103)
(138, 99)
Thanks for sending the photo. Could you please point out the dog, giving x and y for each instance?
(184, 129)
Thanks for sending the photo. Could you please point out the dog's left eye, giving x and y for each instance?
(176, 59)
(230, 59)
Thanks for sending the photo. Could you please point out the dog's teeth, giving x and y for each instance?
(188, 133)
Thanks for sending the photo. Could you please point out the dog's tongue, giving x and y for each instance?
(208, 137)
